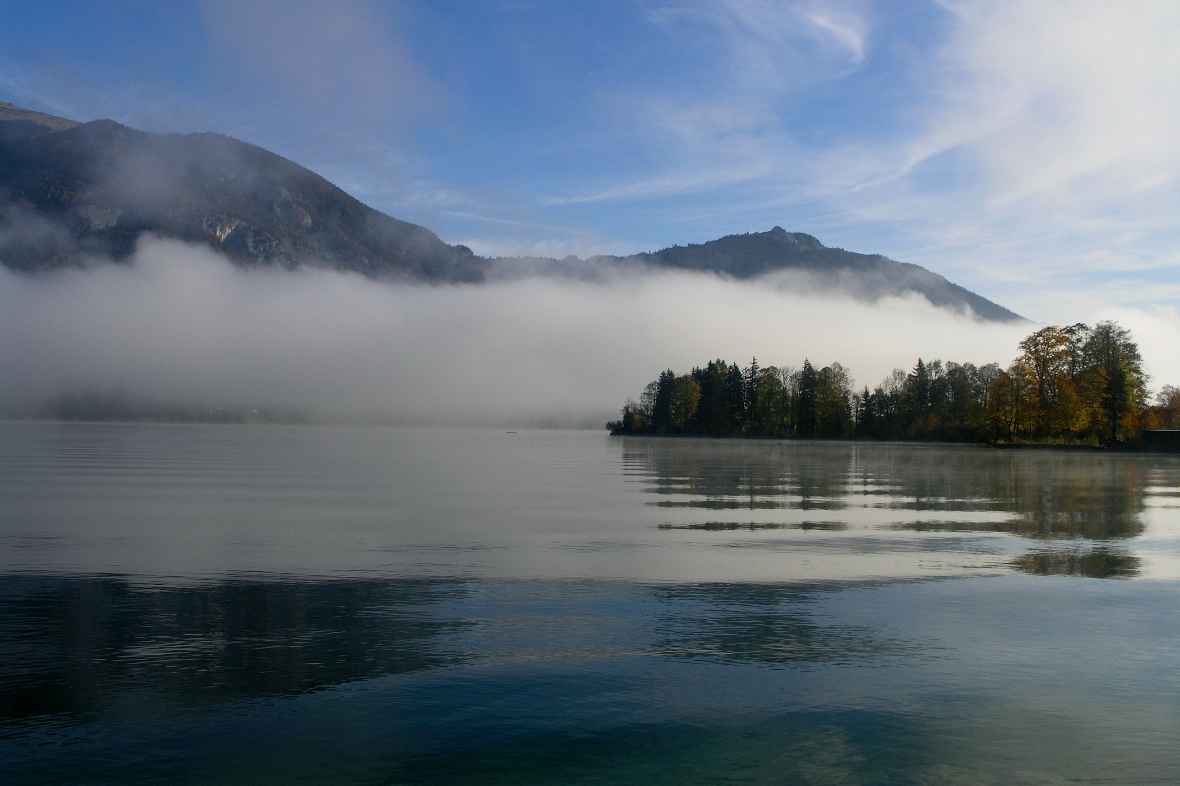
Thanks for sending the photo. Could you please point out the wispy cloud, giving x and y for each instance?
(1037, 144)
(727, 130)
(845, 32)
(663, 185)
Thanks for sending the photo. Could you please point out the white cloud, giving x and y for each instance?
(673, 184)
(1049, 129)
(1085, 90)
(766, 35)
(845, 31)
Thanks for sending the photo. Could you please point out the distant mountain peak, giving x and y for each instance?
(17, 122)
(800, 239)
(865, 276)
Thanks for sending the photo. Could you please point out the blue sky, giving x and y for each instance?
(1026, 150)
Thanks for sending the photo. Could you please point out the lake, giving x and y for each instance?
(265, 604)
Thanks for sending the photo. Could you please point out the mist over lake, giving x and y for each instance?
(181, 325)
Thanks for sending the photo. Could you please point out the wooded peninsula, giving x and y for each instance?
(1073, 385)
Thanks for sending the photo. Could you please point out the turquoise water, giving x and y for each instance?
(232, 604)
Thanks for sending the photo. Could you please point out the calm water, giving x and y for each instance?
(230, 604)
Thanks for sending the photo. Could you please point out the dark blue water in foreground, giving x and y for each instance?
(199, 604)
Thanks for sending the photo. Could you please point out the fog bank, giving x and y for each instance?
(183, 325)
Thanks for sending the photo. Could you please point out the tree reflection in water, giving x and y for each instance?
(78, 646)
(1085, 496)
(1097, 563)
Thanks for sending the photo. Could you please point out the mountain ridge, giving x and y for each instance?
(70, 190)
(869, 276)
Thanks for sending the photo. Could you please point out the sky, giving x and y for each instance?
(1026, 150)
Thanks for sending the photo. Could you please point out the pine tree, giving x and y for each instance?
(805, 415)
(735, 400)
(661, 418)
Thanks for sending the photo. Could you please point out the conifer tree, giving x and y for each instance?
(805, 416)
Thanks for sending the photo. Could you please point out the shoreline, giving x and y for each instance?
(1130, 448)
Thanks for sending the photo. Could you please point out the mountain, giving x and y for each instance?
(867, 276)
(72, 190)
(17, 123)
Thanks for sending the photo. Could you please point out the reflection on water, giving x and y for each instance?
(1091, 525)
(1096, 563)
(730, 526)
(75, 647)
(764, 623)
(1067, 493)
(1064, 496)
(282, 605)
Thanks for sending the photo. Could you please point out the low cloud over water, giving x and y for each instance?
(181, 324)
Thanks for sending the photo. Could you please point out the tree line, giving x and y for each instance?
(1072, 384)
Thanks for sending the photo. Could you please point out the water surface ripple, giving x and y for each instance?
(263, 604)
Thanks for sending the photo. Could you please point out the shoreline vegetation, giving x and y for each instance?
(1075, 386)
